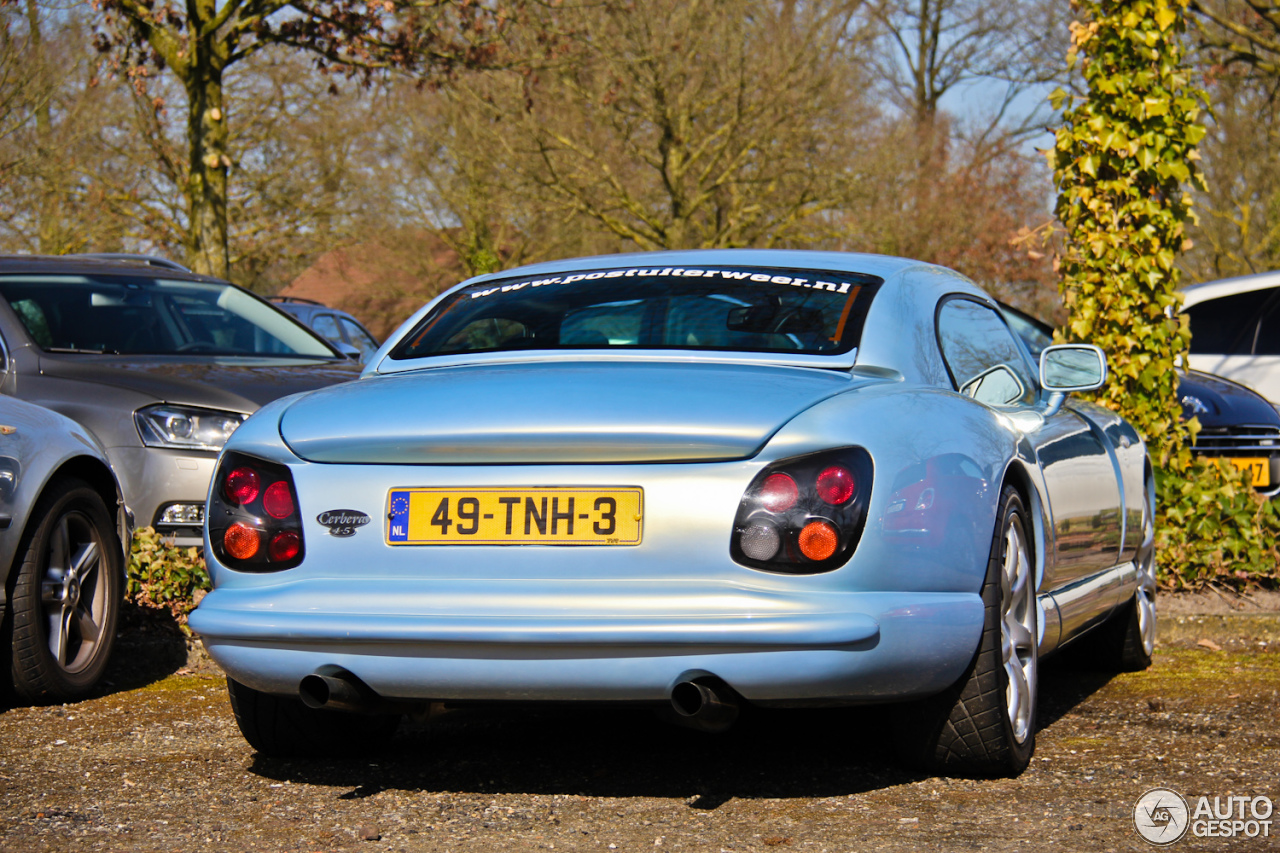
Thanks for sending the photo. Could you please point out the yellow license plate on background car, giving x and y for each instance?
(1259, 469)
(548, 515)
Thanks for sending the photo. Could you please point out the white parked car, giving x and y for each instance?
(1235, 330)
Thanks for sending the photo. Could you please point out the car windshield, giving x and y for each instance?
(132, 315)
(740, 309)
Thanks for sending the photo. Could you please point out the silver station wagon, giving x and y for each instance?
(690, 479)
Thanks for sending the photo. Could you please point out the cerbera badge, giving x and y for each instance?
(342, 522)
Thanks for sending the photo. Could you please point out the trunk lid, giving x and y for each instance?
(556, 413)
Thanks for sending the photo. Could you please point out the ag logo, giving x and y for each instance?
(342, 522)
(1161, 816)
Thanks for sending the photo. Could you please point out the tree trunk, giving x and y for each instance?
(206, 188)
(49, 236)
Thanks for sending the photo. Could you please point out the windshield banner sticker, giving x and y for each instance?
(728, 275)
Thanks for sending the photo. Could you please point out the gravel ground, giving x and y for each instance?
(156, 763)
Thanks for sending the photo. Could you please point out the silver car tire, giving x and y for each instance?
(66, 595)
(985, 724)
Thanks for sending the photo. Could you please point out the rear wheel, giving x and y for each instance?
(281, 726)
(985, 724)
(66, 595)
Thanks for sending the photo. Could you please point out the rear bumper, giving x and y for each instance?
(793, 649)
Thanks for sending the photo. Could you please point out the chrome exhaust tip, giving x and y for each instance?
(706, 704)
(336, 692)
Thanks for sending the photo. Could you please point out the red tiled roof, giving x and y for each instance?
(381, 282)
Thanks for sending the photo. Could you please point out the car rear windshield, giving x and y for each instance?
(131, 315)
(739, 309)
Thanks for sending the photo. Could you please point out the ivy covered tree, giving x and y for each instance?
(199, 41)
(1123, 161)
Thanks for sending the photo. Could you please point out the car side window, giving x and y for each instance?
(1267, 339)
(982, 355)
(358, 337)
(1229, 324)
(327, 325)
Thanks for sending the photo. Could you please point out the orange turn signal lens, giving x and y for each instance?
(241, 541)
(819, 540)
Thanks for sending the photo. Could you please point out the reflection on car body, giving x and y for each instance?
(923, 504)
(690, 479)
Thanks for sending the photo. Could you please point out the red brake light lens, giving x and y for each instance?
(835, 484)
(242, 485)
(284, 546)
(778, 493)
(278, 500)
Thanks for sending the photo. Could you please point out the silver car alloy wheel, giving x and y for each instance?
(72, 592)
(1145, 597)
(1018, 629)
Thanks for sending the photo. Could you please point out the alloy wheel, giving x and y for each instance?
(73, 594)
(1018, 629)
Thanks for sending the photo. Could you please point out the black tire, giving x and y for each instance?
(979, 726)
(283, 727)
(1126, 641)
(66, 594)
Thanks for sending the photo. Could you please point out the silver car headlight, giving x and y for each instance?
(185, 427)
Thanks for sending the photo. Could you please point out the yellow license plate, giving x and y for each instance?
(1259, 469)
(546, 515)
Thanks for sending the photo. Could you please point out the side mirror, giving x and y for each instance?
(1067, 368)
(351, 352)
(1072, 367)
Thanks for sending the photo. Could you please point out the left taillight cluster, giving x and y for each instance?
(253, 516)
(805, 514)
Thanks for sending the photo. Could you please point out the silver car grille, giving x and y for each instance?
(1237, 440)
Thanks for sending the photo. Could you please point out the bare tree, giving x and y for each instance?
(930, 49)
(1245, 33)
(451, 168)
(52, 145)
(683, 123)
(1238, 56)
(199, 41)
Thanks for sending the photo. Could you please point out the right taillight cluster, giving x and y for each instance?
(804, 514)
(253, 517)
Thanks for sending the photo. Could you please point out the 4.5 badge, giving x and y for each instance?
(342, 522)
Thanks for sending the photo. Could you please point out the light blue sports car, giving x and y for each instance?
(692, 479)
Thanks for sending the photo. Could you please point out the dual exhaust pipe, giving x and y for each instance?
(701, 702)
(704, 703)
(339, 690)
